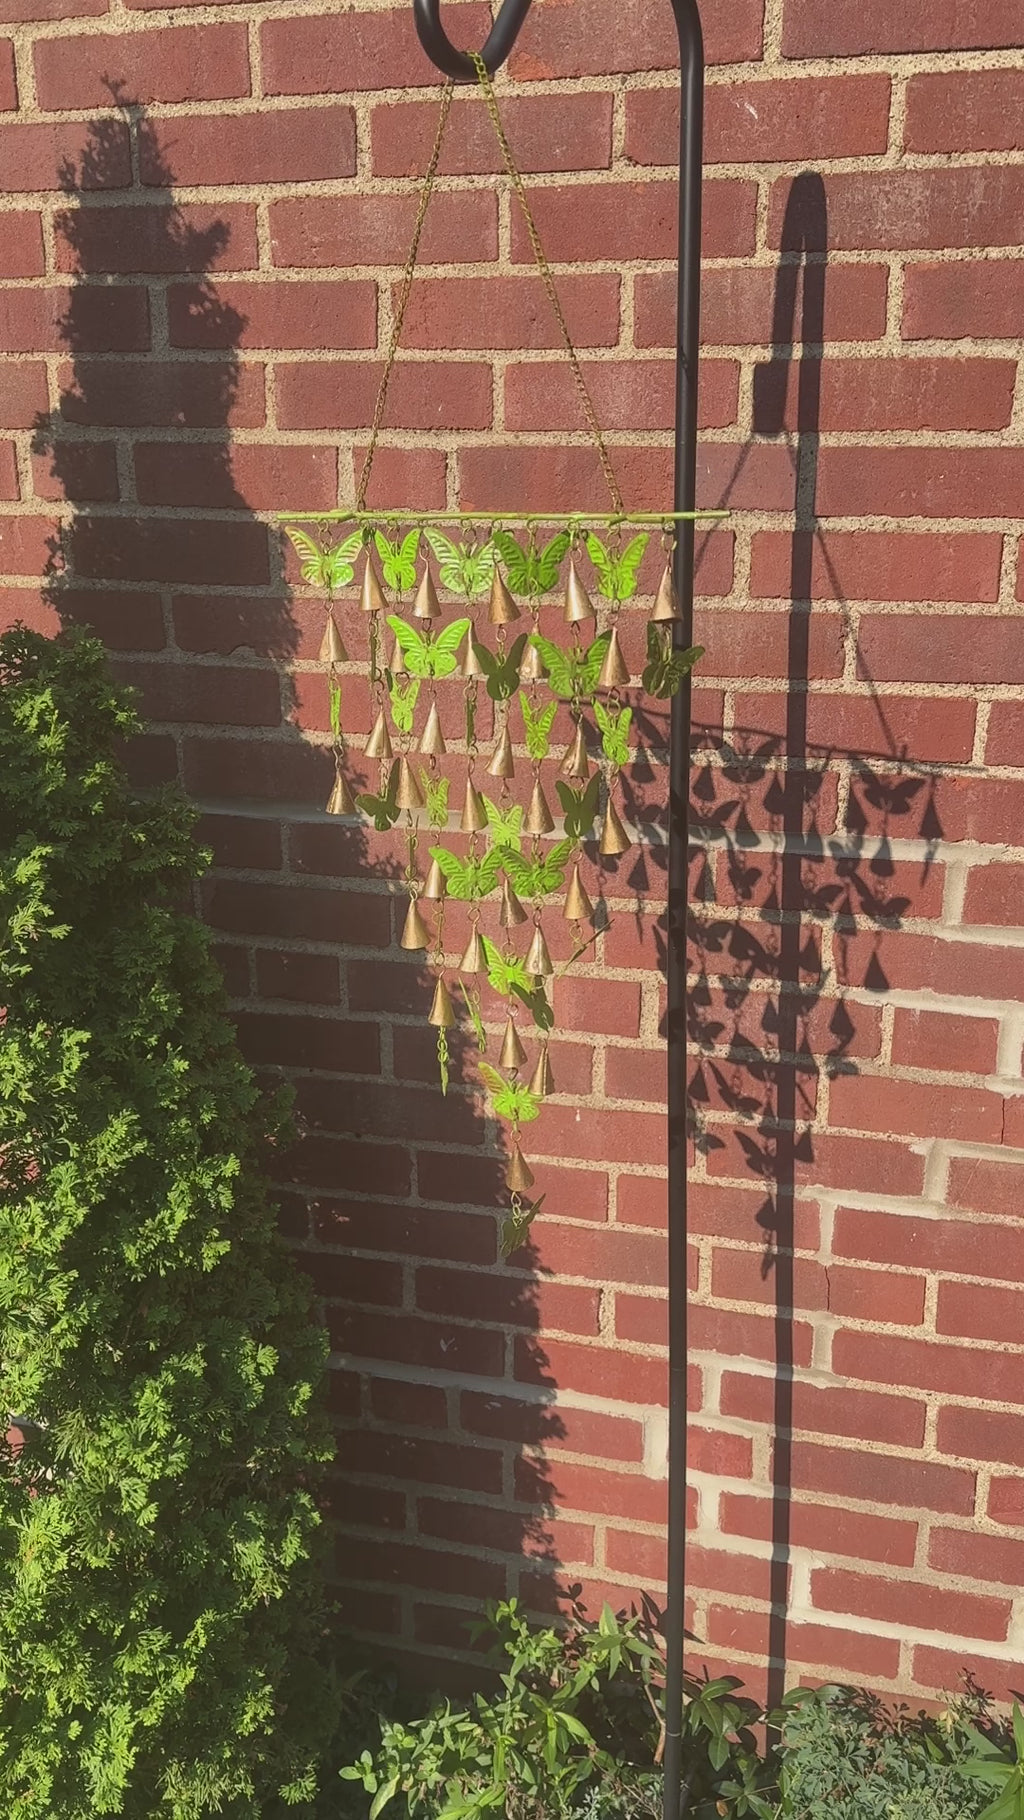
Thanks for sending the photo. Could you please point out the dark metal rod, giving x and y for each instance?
(456, 64)
(691, 163)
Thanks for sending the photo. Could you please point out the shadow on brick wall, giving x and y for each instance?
(392, 1196)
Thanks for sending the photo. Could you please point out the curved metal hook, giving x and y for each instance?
(456, 64)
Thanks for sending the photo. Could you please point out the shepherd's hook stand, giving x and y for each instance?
(460, 68)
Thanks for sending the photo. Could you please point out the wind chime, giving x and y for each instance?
(520, 854)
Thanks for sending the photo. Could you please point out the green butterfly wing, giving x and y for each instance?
(556, 665)
(503, 678)
(412, 644)
(312, 560)
(590, 667)
(454, 870)
(550, 561)
(442, 652)
(627, 567)
(516, 562)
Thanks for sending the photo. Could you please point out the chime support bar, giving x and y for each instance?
(382, 515)
(460, 68)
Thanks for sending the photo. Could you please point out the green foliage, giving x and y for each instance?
(531, 571)
(161, 1616)
(331, 569)
(572, 1733)
(512, 1099)
(398, 559)
(617, 569)
(427, 655)
(538, 727)
(614, 730)
(666, 668)
(468, 879)
(579, 807)
(572, 674)
(465, 568)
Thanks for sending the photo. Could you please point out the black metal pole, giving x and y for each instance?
(460, 68)
(691, 164)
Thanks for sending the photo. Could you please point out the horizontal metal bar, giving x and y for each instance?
(404, 515)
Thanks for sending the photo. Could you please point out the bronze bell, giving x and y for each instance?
(539, 819)
(518, 1175)
(578, 907)
(474, 815)
(577, 601)
(408, 795)
(398, 660)
(442, 1011)
(532, 667)
(471, 665)
(474, 960)
(539, 964)
(436, 886)
(614, 670)
(575, 762)
(503, 763)
(379, 743)
(432, 742)
(415, 933)
(341, 800)
(512, 911)
(332, 647)
(542, 1081)
(503, 609)
(513, 1055)
(426, 605)
(371, 596)
(666, 606)
(614, 838)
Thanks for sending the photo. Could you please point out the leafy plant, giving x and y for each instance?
(469, 879)
(614, 730)
(465, 568)
(1001, 1769)
(161, 1619)
(617, 569)
(512, 1100)
(665, 668)
(538, 727)
(531, 571)
(398, 559)
(330, 569)
(425, 655)
(573, 674)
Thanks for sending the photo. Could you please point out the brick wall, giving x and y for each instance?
(195, 289)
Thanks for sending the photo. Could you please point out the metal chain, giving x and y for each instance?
(516, 180)
(403, 296)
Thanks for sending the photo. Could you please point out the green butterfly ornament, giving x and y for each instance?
(425, 655)
(330, 569)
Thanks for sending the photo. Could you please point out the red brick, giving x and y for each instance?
(160, 237)
(944, 1671)
(638, 220)
(422, 1461)
(748, 1275)
(292, 315)
(574, 1430)
(912, 394)
(21, 251)
(16, 11)
(909, 1602)
(158, 394)
(76, 470)
(994, 896)
(508, 1302)
(37, 156)
(825, 1409)
(946, 1244)
(241, 842)
(308, 978)
(8, 76)
(814, 28)
(908, 962)
(508, 1532)
(179, 692)
(406, 1340)
(973, 110)
(918, 483)
(982, 1312)
(757, 122)
(301, 912)
(822, 1527)
(8, 472)
(594, 43)
(184, 63)
(511, 312)
(100, 320)
(1006, 1501)
(322, 55)
(288, 145)
(471, 1181)
(377, 230)
(957, 1370)
(638, 394)
(602, 1253)
(363, 1280)
(872, 1103)
(1005, 741)
(983, 1186)
(410, 1231)
(961, 206)
(945, 1040)
(856, 1653)
(745, 643)
(409, 1405)
(626, 1137)
(642, 1320)
(959, 807)
(869, 725)
(27, 544)
(569, 477)
(876, 1478)
(329, 1043)
(976, 297)
(423, 395)
(574, 136)
(737, 306)
(882, 565)
(977, 1557)
(592, 1370)
(982, 1434)
(166, 550)
(252, 476)
(591, 1489)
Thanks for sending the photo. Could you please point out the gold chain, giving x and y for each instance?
(403, 297)
(515, 178)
